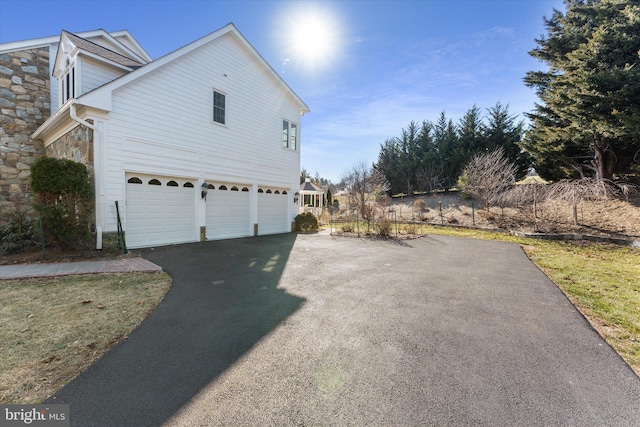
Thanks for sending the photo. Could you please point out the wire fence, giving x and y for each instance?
(404, 216)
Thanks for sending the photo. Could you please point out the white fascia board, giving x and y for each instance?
(61, 122)
(53, 122)
(41, 42)
(100, 99)
(61, 54)
(121, 48)
(28, 44)
(102, 60)
(303, 107)
(138, 52)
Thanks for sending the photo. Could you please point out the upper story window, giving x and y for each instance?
(289, 135)
(69, 84)
(219, 107)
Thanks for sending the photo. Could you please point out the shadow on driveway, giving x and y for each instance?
(224, 299)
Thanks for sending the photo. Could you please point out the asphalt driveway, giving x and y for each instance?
(315, 330)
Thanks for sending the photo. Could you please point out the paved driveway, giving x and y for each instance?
(314, 330)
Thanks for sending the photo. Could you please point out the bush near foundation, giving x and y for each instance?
(63, 198)
(306, 222)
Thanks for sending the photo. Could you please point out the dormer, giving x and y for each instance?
(82, 65)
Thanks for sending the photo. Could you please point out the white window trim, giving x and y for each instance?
(226, 108)
(288, 146)
(71, 69)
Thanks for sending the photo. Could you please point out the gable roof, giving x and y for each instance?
(310, 186)
(102, 51)
(101, 96)
(122, 39)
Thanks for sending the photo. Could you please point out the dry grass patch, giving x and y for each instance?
(52, 329)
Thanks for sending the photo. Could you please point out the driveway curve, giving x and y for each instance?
(316, 330)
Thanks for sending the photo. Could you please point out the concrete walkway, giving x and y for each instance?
(24, 271)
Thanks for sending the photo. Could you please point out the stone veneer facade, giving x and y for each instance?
(24, 106)
(76, 145)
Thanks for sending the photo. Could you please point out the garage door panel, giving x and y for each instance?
(273, 211)
(228, 213)
(159, 214)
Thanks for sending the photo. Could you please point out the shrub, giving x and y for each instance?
(63, 198)
(306, 222)
(420, 205)
(20, 232)
(347, 228)
(411, 228)
(384, 227)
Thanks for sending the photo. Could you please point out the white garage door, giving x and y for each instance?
(160, 211)
(228, 211)
(273, 211)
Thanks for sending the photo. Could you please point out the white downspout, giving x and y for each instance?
(74, 116)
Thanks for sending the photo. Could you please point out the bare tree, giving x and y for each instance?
(523, 196)
(364, 185)
(431, 177)
(577, 190)
(488, 175)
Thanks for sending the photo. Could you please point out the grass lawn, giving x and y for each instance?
(52, 329)
(601, 280)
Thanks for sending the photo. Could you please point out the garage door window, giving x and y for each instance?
(154, 182)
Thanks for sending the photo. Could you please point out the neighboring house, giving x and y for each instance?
(312, 198)
(202, 143)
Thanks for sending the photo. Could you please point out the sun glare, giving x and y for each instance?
(312, 39)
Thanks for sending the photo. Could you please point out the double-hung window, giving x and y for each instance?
(219, 107)
(289, 135)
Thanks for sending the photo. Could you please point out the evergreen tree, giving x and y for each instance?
(504, 132)
(446, 139)
(588, 121)
(471, 132)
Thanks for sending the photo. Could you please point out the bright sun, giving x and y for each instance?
(313, 38)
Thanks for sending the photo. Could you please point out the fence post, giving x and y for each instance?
(44, 254)
(395, 219)
(440, 208)
(473, 213)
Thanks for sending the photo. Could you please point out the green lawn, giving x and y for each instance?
(52, 329)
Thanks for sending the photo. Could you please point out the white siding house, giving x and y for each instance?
(210, 117)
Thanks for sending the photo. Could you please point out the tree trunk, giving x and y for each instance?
(603, 162)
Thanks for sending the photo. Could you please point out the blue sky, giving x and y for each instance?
(365, 68)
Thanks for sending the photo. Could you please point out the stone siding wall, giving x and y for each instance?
(76, 145)
(24, 106)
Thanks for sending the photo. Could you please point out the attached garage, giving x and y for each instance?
(228, 211)
(273, 211)
(160, 210)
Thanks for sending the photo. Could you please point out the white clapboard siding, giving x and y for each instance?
(95, 74)
(161, 124)
(172, 108)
